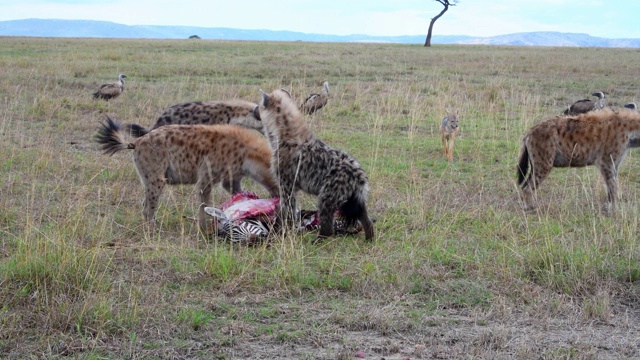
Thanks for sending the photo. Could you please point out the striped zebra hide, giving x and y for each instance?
(246, 231)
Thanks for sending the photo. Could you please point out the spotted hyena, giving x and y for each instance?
(238, 112)
(448, 131)
(193, 154)
(597, 138)
(302, 162)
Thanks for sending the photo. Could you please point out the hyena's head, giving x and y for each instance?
(245, 113)
(280, 115)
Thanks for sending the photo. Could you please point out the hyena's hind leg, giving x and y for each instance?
(333, 196)
(337, 193)
(206, 180)
(327, 205)
(152, 175)
(610, 177)
(152, 190)
(367, 224)
(287, 218)
(540, 169)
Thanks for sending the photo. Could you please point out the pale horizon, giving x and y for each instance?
(358, 17)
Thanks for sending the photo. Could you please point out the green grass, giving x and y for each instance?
(456, 264)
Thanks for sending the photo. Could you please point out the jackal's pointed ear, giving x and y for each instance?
(446, 111)
(265, 99)
(256, 112)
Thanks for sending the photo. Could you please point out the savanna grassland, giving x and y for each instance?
(457, 268)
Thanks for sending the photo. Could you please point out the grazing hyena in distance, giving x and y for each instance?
(238, 112)
(597, 138)
(194, 154)
(448, 131)
(302, 162)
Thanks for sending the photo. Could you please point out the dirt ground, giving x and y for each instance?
(460, 336)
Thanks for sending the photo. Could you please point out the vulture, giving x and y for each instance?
(111, 90)
(600, 103)
(586, 105)
(316, 101)
(635, 143)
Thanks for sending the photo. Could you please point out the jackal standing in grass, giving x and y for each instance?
(448, 131)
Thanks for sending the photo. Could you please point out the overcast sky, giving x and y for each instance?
(609, 19)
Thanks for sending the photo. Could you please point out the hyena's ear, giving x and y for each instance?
(265, 99)
(288, 93)
(256, 112)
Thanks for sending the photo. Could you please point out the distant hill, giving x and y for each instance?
(552, 39)
(105, 29)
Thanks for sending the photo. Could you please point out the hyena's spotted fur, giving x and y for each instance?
(302, 162)
(238, 112)
(597, 138)
(194, 154)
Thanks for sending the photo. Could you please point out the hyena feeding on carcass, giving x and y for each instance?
(599, 138)
(302, 162)
(448, 131)
(193, 154)
(238, 112)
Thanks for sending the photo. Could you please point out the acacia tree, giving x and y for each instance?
(446, 4)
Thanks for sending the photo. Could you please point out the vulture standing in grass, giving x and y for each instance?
(600, 103)
(634, 143)
(110, 91)
(586, 105)
(316, 101)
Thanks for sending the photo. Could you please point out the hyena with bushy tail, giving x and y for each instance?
(302, 162)
(215, 112)
(599, 138)
(193, 154)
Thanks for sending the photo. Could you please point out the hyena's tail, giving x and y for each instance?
(136, 130)
(111, 138)
(356, 209)
(523, 165)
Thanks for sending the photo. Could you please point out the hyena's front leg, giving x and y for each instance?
(233, 186)
(230, 179)
(204, 187)
(288, 204)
